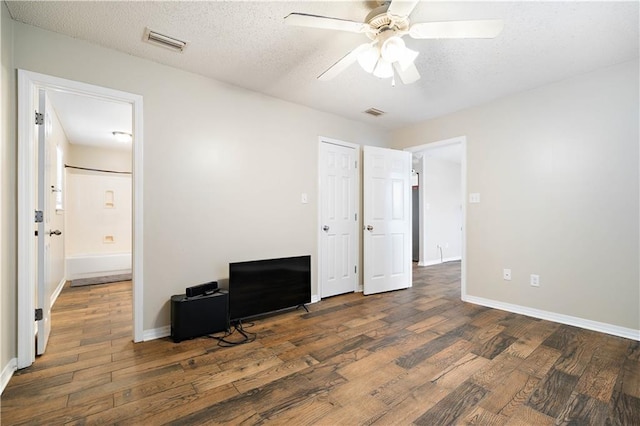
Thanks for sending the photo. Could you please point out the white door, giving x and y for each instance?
(338, 219)
(387, 220)
(43, 203)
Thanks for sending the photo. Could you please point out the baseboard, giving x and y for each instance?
(315, 298)
(156, 333)
(627, 333)
(438, 262)
(7, 373)
(97, 265)
(56, 292)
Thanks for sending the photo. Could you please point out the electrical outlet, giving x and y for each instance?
(535, 280)
(506, 274)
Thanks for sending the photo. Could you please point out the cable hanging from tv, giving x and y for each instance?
(239, 327)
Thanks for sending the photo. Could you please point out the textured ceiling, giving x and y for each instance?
(247, 44)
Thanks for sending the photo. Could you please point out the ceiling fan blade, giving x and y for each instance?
(343, 63)
(324, 22)
(488, 28)
(408, 75)
(402, 8)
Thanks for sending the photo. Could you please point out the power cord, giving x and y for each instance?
(239, 327)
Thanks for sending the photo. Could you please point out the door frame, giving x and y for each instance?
(28, 84)
(462, 140)
(356, 223)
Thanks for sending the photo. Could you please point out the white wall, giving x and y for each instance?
(99, 235)
(8, 197)
(97, 223)
(557, 170)
(94, 157)
(442, 219)
(224, 167)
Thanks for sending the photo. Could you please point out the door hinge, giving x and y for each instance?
(39, 216)
(355, 217)
(356, 163)
(355, 269)
(39, 118)
(39, 314)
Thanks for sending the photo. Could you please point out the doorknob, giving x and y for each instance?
(369, 228)
(56, 232)
(325, 228)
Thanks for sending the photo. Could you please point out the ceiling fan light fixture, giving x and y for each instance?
(392, 49)
(407, 57)
(368, 59)
(383, 69)
(123, 137)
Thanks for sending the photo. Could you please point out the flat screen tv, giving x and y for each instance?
(263, 286)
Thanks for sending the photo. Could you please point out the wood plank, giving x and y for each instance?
(600, 377)
(581, 409)
(459, 371)
(274, 373)
(552, 393)
(626, 409)
(494, 346)
(418, 355)
(480, 416)
(629, 379)
(527, 416)
(540, 362)
(507, 397)
(453, 407)
(410, 405)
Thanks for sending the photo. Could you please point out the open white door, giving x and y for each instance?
(387, 219)
(43, 234)
(338, 219)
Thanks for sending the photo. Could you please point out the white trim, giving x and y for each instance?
(462, 140)
(138, 221)
(28, 84)
(56, 292)
(601, 327)
(437, 144)
(157, 333)
(26, 207)
(7, 373)
(315, 298)
(356, 223)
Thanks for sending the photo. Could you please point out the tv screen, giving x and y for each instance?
(263, 286)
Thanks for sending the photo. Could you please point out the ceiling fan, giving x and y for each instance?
(386, 54)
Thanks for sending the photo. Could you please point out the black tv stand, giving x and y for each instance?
(302, 305)
(198, 316)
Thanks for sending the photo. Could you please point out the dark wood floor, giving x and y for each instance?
(412, 356)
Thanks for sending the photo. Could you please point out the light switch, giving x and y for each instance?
(474, 197)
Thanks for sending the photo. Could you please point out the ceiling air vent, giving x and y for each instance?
(374, 111)
(169, 42)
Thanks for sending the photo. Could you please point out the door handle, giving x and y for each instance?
(369, 228)
(325, 228)
(56, 232)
